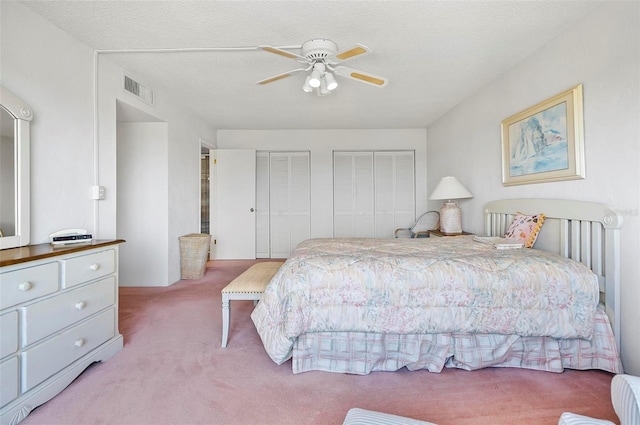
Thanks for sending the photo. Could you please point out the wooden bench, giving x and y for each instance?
(248, 286)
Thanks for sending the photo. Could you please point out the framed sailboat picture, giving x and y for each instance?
(545, 143)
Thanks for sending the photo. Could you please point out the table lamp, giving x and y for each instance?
(450, 188)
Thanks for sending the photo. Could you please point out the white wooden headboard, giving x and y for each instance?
(588, 232)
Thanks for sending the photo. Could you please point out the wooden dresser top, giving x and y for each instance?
(11, 256)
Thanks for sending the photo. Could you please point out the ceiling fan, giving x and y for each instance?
(322, 58)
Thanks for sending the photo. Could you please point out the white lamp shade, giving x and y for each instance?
(450, 188)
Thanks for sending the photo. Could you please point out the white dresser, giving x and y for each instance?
(58, 314)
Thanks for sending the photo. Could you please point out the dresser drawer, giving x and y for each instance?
(46, 317)
(54, 354)
(88, 267)
(9, 378)
(26, 284)
(8, 333)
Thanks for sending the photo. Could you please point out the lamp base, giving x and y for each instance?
(450, 218)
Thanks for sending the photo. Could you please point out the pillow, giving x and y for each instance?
(524, 228)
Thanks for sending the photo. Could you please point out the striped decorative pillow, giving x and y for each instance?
(357, 416)
(625, 395)
(572, 419)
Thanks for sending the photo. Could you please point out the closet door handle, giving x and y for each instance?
(252, 209)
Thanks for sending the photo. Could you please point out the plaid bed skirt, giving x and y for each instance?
(361, 353)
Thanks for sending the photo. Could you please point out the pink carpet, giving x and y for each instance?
(172, 370)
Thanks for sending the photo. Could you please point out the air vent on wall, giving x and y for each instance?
(143, 93)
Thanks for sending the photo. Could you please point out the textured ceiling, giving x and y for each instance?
(435, 53)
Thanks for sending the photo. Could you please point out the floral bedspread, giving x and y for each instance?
(435, 285)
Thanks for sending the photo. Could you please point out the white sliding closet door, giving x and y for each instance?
(300, 201)
(394, 191)
(284, 202)
(353, 195)
(262, 205)
(374, 193)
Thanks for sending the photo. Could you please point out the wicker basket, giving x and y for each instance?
(194, 252)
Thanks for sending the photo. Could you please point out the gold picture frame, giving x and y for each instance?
(545, 143)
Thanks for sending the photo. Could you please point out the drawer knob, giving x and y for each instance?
(80, 342)
(80, 305)
(94, 266)
(25, 286)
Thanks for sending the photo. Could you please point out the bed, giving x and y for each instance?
(362, 305)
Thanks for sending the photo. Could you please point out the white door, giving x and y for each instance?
(373, 193)
(283, 210)
(263, 242)
(394, 191)
(235, 171)
(289, 201)
(353, 195)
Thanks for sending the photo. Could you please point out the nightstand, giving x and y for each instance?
(439, 234)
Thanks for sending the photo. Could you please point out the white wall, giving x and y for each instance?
(601, 52)
(142, 201)
(53, 73)
(321, 144)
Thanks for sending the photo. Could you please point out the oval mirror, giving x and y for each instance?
(15, 117)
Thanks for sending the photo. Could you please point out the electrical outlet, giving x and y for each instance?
(97, 192)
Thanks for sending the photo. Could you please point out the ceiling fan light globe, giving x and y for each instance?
(306, 87)
(323, 89)
(332, 84)
(314, 80)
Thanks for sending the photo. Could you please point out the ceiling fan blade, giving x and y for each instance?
(349, 53)
(282, 52)
(280, 76)
(363, 77)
